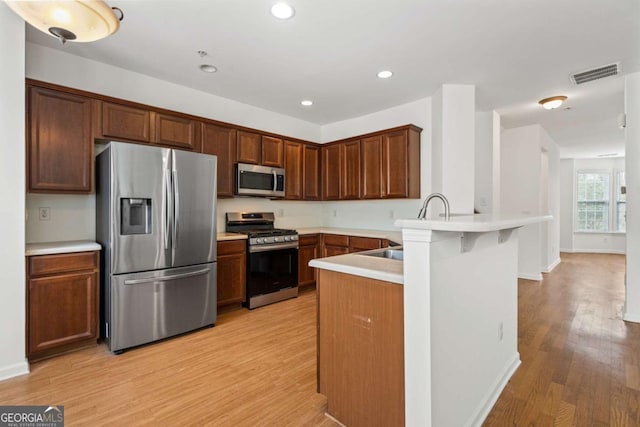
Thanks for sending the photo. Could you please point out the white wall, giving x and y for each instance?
(631, 310)
(12, 173)
(551, 253)
(380, 214)
(612, 242)
(487, 162)
(520, 191)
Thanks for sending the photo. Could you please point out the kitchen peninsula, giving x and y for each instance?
(459, 287)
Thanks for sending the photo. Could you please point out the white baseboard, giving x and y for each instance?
(14, 370)
(494, 393)
(597, 251)
(551, 266)
(536, 277)
(570, 251)
(631, 317)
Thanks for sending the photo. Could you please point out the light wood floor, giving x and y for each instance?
(580, 365)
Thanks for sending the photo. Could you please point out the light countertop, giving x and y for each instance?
(230, 236)
(388, 270)
(51, 248)
(395, 236)
(479, 223)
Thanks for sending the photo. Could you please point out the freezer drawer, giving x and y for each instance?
(148, 306)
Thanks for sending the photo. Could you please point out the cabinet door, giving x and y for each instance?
(62, 310)
(331, 172)
(357, 244)
(350, 158)
(372, 185)
(272, 152)
(293, 170)
(309, 249)
(311, 172)
(231, 282)
(178, 132)
(123, 122)
(221, 141)
(60, 143)
(249, 147)
(395, 162)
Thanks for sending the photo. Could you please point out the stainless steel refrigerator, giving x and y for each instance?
(156, 222)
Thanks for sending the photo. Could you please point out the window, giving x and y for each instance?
(592, 196)
(621, 203)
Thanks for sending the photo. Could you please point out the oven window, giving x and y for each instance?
(256, 180)
(271, 271)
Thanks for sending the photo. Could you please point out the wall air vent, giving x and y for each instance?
(596, 73)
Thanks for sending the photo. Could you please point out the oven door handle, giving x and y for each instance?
(274, 247)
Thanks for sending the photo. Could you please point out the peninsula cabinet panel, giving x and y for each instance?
(221, 141)
(272, 152)
(293, 170)
(350, 159)
(311, 172)
(124, 122)
(249, 147)
(331, 172)
(62, 303)
(178, 132)
(372, 168)
(231, 282)
(60, 144)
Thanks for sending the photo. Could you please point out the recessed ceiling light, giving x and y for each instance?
(553, 102)
(385, 74)
(282, 10)
(306, 103)
(208, 68)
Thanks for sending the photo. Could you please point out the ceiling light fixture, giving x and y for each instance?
(78, 21)
(282, 11)
(385, 74)
(553, 102)
(208, 68)
(306, 103)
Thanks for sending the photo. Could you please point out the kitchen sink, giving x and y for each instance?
(389, 253)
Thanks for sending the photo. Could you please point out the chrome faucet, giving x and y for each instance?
(425, 205)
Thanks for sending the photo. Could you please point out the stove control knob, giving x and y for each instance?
(260, 240)
(287, 238)
(278, 239)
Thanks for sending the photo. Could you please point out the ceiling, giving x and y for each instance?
(515, 52)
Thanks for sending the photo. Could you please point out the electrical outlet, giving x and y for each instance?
(500, 331)
(280, 212)
(44, 214)
(335, 213)
(392, 214)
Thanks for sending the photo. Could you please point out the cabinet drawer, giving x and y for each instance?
(308, 239)
(336, 240)
(232, 247)
(59, 263)
(363, 243)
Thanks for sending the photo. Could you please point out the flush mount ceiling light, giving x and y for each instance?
(306, 103)
(282, 11)
(553, 102)
(78, 21)
(385, 74)
(208, 68)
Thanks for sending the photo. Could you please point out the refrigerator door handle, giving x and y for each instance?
(275, 180)
(176, 210)
(167, 278)
(167, 206)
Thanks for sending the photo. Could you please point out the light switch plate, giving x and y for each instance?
(44, 214)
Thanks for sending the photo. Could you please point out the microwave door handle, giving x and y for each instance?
(275, 180)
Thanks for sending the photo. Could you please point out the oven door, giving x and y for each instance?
(271, 270)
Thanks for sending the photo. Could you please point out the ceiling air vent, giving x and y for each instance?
(596, 73)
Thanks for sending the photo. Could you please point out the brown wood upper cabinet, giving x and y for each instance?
(331, 172)
(311, 172)
(179, 132)
(249, 147)
(125, 122)
(350, 165)
(401, 163)
(293, 162)
(372, 182)
(59, 142)
(221, 141)
(272, 152)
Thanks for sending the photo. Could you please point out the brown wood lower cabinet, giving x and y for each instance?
(334, 244)
(361, 349)
(232, 261)
(62, 303)
(309, 248)
(357, 244)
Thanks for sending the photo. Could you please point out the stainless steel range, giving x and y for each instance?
(272, 257)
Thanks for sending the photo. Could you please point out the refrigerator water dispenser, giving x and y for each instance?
(135, 216)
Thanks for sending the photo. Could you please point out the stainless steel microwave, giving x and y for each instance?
(255, 180)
